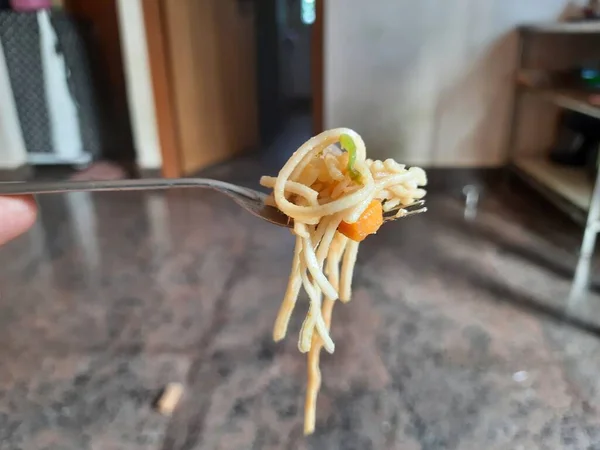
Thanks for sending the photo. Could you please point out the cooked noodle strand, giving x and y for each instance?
(323, 188)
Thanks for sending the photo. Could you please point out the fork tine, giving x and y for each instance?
(417, 203)
(406, 213)
(409, 207)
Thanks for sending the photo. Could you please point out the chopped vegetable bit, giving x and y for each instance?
(347, 144)
(368, 223)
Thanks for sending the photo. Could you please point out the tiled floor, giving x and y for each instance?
(458, 336)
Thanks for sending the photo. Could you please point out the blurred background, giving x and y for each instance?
(171, 88)
(474, 326)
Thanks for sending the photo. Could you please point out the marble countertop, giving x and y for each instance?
(457, 336)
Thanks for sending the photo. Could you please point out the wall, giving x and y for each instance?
(139, 84)
(12, 147)
(427, 82)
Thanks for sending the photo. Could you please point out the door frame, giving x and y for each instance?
(159, 63)
(317, 67)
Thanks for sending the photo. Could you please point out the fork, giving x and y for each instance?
(251, 200)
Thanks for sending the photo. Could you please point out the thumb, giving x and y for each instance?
(17, 215)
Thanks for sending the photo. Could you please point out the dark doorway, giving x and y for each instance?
(285, 54)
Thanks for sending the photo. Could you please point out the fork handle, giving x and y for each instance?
(53, 187)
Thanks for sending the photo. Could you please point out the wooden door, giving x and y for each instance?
(204, 79)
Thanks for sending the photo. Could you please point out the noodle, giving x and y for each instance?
(323, 188)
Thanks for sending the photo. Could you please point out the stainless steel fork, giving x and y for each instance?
(249, 199)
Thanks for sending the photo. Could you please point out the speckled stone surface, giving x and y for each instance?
(458, 335)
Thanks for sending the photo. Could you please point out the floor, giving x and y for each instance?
(458, 336)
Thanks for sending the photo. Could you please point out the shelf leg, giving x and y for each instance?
(582, 272)
(515, 107)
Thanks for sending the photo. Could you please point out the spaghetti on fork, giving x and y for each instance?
(336, 197)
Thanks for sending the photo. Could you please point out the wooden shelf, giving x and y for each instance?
(569, 189)
(579, 27)
(572, 100)
(571, 184)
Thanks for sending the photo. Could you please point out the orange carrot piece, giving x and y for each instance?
(368, 223)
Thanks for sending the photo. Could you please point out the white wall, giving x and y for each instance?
(139, 84)
(429, 81)
(12, 147)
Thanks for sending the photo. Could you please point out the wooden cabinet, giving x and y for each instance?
(202, 58)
